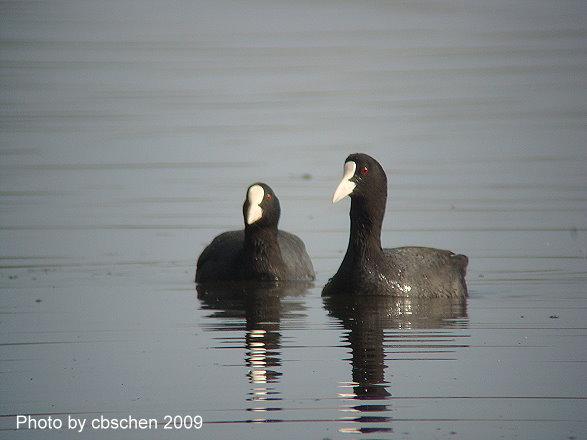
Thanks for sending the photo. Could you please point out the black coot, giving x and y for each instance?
(260, 252)
(367, 269)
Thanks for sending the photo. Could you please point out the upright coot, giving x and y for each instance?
(367, 269)
(260, 252)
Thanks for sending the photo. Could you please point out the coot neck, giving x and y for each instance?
(262, 249)
(366, 222)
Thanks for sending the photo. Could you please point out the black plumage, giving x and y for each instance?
(367, 268)
(260, 252)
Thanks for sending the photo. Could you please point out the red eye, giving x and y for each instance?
(268, 197)
(364, 171)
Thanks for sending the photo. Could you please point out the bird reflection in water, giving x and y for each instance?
(370, 322)
(256, 309)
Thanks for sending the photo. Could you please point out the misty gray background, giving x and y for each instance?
(131, 129)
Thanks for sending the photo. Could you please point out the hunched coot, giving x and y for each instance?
(260, 252)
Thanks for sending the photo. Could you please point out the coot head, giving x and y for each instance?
(261, 207)
(363, 179)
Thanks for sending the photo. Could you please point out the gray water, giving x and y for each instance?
(129, 133)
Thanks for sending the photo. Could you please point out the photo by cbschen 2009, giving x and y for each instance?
(172, 264)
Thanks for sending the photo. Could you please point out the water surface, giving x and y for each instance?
(129, 132)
